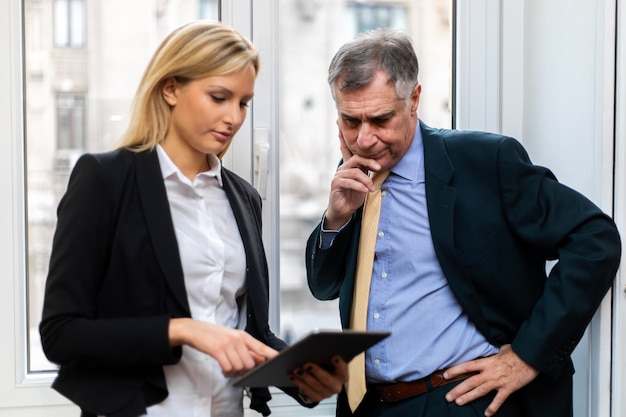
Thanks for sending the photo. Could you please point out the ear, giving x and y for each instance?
(169, 88)
(415, 97)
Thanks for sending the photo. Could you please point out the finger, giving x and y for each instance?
(310, 385)
(354, 183)
(240, 359)
(496, 403)
(363, 164)
(462, 392)
(259, 348)
(345, 151)
(224, 363)
(477, 365)
(473, 394)
(341, 369)
(258, 359)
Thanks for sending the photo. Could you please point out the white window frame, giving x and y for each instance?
(618, 369)
(20, 392)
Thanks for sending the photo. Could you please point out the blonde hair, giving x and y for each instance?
(196, 50)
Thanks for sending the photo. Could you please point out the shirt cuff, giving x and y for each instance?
(328, 236)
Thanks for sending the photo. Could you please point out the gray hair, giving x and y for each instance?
(390, 50)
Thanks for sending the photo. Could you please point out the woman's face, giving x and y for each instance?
(205, 114)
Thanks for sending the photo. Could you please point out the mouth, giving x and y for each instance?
(222, 136)
(375, 156)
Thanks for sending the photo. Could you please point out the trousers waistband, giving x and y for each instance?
(401, 390)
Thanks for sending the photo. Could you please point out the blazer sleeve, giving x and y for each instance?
(560, 224)
(73, 331)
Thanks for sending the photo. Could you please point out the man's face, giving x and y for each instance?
(375, 123)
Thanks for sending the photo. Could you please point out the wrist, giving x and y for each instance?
(177, 331)
(331, 223)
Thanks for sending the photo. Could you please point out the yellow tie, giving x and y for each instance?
(356, 385)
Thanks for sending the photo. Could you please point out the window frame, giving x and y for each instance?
(18, 387)
(618, 369)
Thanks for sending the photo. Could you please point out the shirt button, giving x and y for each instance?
(381, 234)
(376, 315)
(377, 361)
(384, 275)
(383, 193)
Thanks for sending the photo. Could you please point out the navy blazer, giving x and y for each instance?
(116, 279)
(495, 220)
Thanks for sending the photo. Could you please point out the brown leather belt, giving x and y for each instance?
(399, 391)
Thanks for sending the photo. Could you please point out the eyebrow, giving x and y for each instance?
(374, 117)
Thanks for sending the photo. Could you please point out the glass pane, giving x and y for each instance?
(77, 23)
(78, 99)
(310, 33)
(61, 15)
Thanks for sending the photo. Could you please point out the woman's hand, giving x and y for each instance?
(316, 383)
(235, 350)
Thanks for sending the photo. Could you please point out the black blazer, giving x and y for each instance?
(495, 220)
(115, 280)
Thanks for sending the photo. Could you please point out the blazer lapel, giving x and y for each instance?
(156, 210)
(441, 198)
(256, 266)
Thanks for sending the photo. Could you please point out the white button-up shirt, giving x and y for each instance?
(213, 261)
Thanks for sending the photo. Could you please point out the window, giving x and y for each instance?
(69, 23)
(480, 26)
(309, 35)
(78, 100)
(70, 120)
(370, 16)
(210, 9)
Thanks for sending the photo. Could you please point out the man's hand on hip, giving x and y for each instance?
(504, 372)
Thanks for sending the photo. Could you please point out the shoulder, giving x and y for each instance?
(474, 142)
(456, 137)
(104, 160)
(105, 170)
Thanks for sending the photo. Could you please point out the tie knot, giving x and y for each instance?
(378, 177)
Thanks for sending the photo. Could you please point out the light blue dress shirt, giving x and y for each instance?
(409, 295)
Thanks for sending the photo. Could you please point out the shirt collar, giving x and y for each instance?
(409, 166)
(168, 168)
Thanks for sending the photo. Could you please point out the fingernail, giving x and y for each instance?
(309, 368)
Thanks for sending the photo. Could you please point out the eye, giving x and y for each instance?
(351, 122)
(244, 104)
(217, 99)
(380, 121)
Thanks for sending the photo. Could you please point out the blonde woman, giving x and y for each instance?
(157, 292)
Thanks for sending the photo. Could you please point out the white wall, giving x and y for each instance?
(543, 72)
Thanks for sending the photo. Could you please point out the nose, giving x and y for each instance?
(367, 136)
(234, 115)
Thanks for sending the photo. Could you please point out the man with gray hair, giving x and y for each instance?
(449, 254)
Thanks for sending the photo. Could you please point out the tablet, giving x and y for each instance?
(318, 347)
